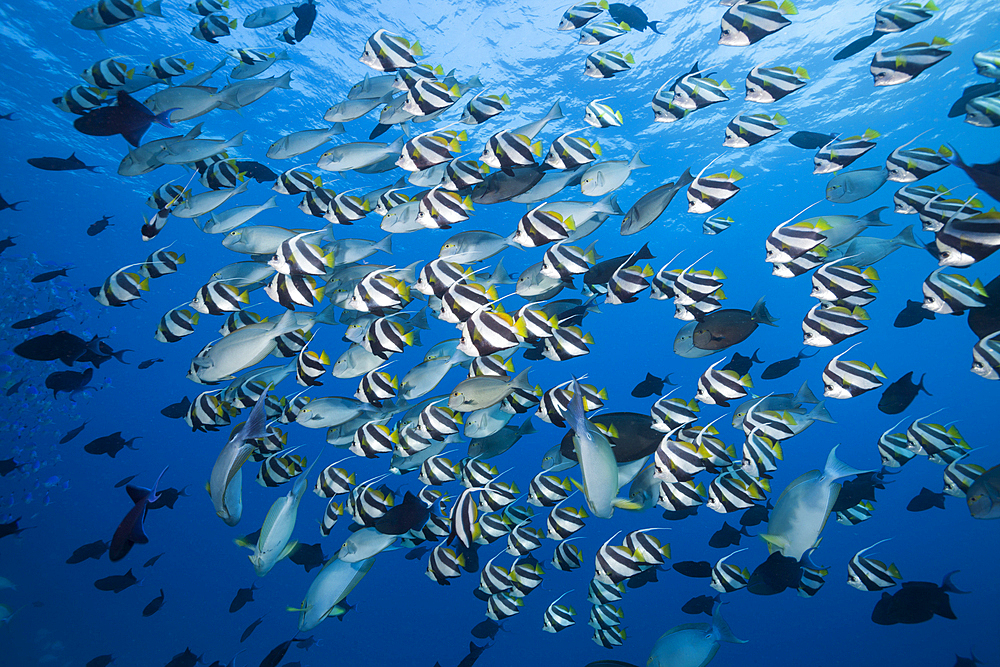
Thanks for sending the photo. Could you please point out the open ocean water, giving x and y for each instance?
(63, 497)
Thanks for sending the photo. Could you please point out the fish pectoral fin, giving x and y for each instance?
(626, 504)
(289, 548)
(774, 541)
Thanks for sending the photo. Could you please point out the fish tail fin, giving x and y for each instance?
(949, 587)
(821, 414)
(653, 26)
(154, 9)
(805, 395)
(622, 503)
(555, 113)
(872, 220)
(636, 162)
(836, 469)
(760, 315)
(906, 237)
(720, 626)
(164, 118)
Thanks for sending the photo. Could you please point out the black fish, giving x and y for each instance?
(985, 176)
(969, 94)
(724, 328)
(308, 556)
(647, 576)
(811, 140)
(471, 555)
(636, 438)
(500, 186)
(898, 395)
(257, 171)
(60, 345)
(152, 561)
(101, 661)
(243, 596)
(277, 653)
(633, 16)
(486, 630)
(785, 366)
(4, 205)
(168, 497)
(701, 604)
(177, 410)
(741, 364)
(652, 385)
(10, 528)
(916, 602)
(677, 515)
(417, 554)
(109, 444)
(44, 318)
(125, 480)
(985, 320)
(7, 116)
(858, 45)
(306, 16)
(756, 515)
(8, 466)
(69, 382)
(473, 655)
(49, 275)
(154, 605)
(99, 226)
(250, 628)
(11, 390)
(93, 550)
(600, 273)
(774, 575)
(971, 661)
(913, 314)
(860, 488)
(727, 536)
(6, 243)
(306, 643)
(130, 531)
(143, 365)
(72, 434)
(411, 514)
(925, 500)
(100, 353)
(696, 569)
(184, 659)
(129, 118)
(71, 163)
(116, 582)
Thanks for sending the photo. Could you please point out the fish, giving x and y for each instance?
(747, 23)
(912, 314)
(745, 131)
(770, 84)
(130, 531)
(727, 536)
(983, 496)
(116, 583)
(92, 550)
(71, 163)
(651, 205)
(868, 574)
(579, 15)
(986, 176)
(651, 385)
(724, 328)
(925, 500)
(851, 186)
(692, 643)
(897, 66)
(243, 596)
(916, 602)
(900, 394)
(774, 575)
(154, 605)
(781, 368)
(606, 64)
(44, 318)
(849, 379)
(128, 117)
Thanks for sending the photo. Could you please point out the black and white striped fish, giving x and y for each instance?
(579, 15)
(693, 92)
(839, 153)
(893, 449)
(606, 64)
(503, 605)
(708, 193)
(385, 337)
(849, 379)
(609, 637)
(444, 564)
(859, 513)
(664, 109)
(439, 422)
(489, 331)
(483, 107)
(812, 577)
(730, 493)
(207, 412)
(965, 242)
(346, 209)
(290, 344)
(596, 34)
(295, 181)
(727, 578)
(548, 490)
(718, 387)
(926, 439)
(298, 256)
(557, 616)
(317, 202)
(376, 386)
(526, 577)
(897, 66)
(309, 367)
(605, 616)
(221, 175)
(601, 115)
(494, 578)
(823, 327)
(615, 563)
(477, 474)
(681, 496)
(440, 209)
(107, 74)
(566, 343)
(716, 225)
(373, 439)
(649, 550)
(379, 293)
(211, 27)
(958, 477)
(438, 275)
(562, 522)
(670, 413)
(952, 293)
(492, 527)
(163, 262)
(175, 324)
(568, 152)
(900, 16)
(747, 23)
(333, 511)
(292, 290)
(505, 150)
(121, 287)
(868, 574)
(912, 199)
(463, 515)
(745, 131)
(333, 481)
(983, 111)
(626, 283)
(80, 99)
(523, 539)
(462, 174)
(770, 84)
(538, 227)
(168, 67)
(567, 556)
(907, 165)
(438, 470)
(691, 286)
(837, 281)
(986, 357)
(386, 52)
(277, 470)
(760, 454)
(429, 149)
(562, 262)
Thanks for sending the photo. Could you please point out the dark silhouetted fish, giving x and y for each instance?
(257, 171)
(701, 604)
(125, 480)
(8, 466)
(677, 515)
(101, 661)
(116, 582)
(971, 661)
(11, 528)
(243, 596)
(724, 328)
(130, 530)
(96, 228)
(859, 488)
(925, 500)
(308, 556)
(276, 654)
(71, 163)
(73, 433)
(913, 314)
(184, 659)
(858, 45)
(49, 275)
(417, 554)
(696, 569)
(898, 395)
(305, 17)
(811, 140)
(306, 643)
(129, 118)
(774, 575)
(741, 364)
(250, 628)
(13, 206)
(486, 630)
(93, 550)
(633, 16)
(11, 390)
(647, 576)
(985, 176)
(37, 320)
(785, 366)
(152, 561)
(651, 386)
(411, 514)
(985, 320)
(168, 497)
(473, 655)
(916, 602)
(6, 243)
(971, 93)
(755, 515)
(727, 536)
(60, 345)
(143, 365)
(154, 605)
(177, 410)
(68, 382)
(109, 444)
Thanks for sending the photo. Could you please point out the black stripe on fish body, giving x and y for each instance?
(677, 461)
(174, 325)
(609, 637)
(567, 557)
(489, 332)
(812, 581)
(562, 523)
(460, 175)
(727, 578)
(502, 605)
(755, 20)
(429, 96)
(901, 65)
(936, 213)
(330, 515)
(615, 564)
(439, 275)
(605, 616)
(316, 202)
(115, 12)
(707, 194)
(976, 239)
(463, 519)
(912, 199)
(346, 209)
(293, 182)
(494, 579)
(646, 547)
(900, 16)
(546, 490)
(309, 368)
(520, 401)
(375, 387)
(438, 422)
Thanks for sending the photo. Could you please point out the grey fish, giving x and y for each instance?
(850, 186)
(652, 204)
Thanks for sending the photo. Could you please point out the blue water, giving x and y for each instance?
(402, 617)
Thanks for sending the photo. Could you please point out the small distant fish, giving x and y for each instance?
(695, 569)
(13, 206)
(243, 596)
(702, 604)
(578, 16)
(606, 64)
(651, 385)
(716, 225)
(770, 84)
(925, 500)
(154, 605)
(116, 583)
(71, 163)
(898, 395)
(901, 16)
(785, 366)
(745, 131)
(913, 314)
(727, 536)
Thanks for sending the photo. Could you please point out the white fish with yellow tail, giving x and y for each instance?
(804, 506)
